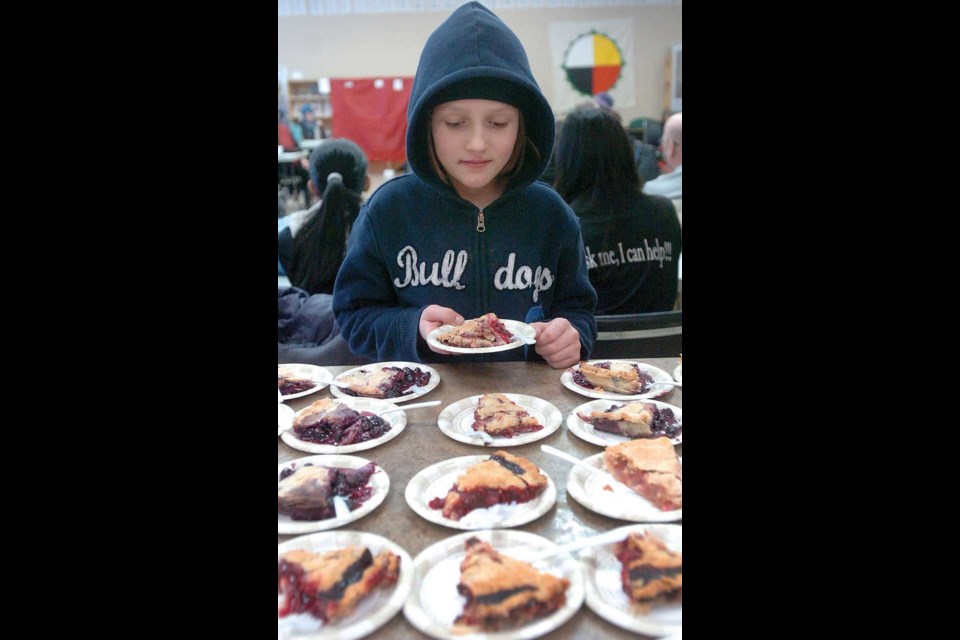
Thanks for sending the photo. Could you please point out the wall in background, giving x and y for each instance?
(388, 43)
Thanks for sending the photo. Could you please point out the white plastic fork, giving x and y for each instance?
(415, 405)
(673, 383)
(593, 541)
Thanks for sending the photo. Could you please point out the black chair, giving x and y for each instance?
(639, 335)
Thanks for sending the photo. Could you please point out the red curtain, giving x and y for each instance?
(373, 113)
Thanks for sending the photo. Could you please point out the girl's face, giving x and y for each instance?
(474, 139)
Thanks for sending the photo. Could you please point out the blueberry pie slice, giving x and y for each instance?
(327, 421)
(329, 585)
(649, 569)
(288, 383)
(485, 331)
(306, 493)
(385, 382)
(501, 479)
(501, 417)
(649, 467)
(635, 420)
(503, 592)
(618, 377)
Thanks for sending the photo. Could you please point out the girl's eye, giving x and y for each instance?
(454, 124)
(499, 125)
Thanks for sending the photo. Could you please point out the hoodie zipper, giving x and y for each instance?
(481, 226)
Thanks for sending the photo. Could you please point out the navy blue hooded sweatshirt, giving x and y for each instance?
(416, 241)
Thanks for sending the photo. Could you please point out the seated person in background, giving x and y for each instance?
(284, 135)
(307, 332)
(670, 184)
(313, 244)
(632, 240)
(308, 122)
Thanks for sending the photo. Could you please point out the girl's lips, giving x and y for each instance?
(476, 164)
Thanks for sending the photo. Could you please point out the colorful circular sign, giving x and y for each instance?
(593, 63)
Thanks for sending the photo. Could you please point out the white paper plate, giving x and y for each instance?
(586, 431)
(434, 603)
(412, 392)
(514, 326)
(655, 389)
(379, 482)
(284, 417)
(678, 373)
(456, 421)
(372, 612)
(306, 371)
(397, 420)
(588, 489)
(605, 593)
(436, 480)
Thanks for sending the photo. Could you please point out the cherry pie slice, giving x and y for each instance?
(501, 417)
(485, 331)
(501, 479)
(503, 592)
(635, 420)
(327, 421)
(386, 382)
(306, 493)
(618, 377)
(649, 467)
(329, 585)
(649, 569)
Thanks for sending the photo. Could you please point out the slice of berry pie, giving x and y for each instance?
(485, 331)
(501, 417)
(501, 479)
(635, 420)
(306, 493)
(288, 383)
(618, 377)
(327, 421)
(329, 585)
(649, 467)
(503, 592)
(385, 382)
(649, 569)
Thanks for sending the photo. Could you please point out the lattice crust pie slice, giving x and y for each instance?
(635, 420)
(649, 569)
(306, 493)
(386, 382)
(327, 421)
(501, 417)
(649, 467)
(501, 479)
(503, 592)
(619, 377)
(485, 331)
(329, 585)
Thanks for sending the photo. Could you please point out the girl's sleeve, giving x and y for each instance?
(575, 299)
(368, 312)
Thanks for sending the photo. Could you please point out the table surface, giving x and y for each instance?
(422, 444)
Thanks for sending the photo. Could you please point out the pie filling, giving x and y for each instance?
(648, 466)
(485, 331)
(503, 592)
(329, 422)
(649, 569)
(500, 416)
(617, 377)
(289, 385)
(328, 585)
(501, 479)
(388, 382)
(636, 420)
(306, 493)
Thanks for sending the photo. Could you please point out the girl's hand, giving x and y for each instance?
(434, 316)
(558, 342)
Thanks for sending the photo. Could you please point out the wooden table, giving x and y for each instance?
(422, 444)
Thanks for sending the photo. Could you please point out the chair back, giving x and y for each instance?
(639, 335)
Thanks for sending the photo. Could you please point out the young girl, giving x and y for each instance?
(469, 231)
(311, 248)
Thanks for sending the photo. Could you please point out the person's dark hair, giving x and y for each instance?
(595, 165)
(338, 169)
